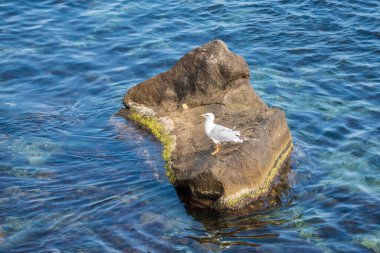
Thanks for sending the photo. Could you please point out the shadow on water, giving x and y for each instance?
(241, 227)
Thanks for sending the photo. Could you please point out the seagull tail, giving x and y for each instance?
(238, 137)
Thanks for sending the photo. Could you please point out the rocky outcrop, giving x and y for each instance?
(211, 78)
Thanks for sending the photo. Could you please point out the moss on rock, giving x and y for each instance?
(159, 131)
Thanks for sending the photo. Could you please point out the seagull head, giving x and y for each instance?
(208, 116)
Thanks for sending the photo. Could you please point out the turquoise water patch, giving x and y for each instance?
(74, 177)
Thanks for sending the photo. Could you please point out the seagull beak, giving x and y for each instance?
(202, 115)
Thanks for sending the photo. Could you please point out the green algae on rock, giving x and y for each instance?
(159, 130)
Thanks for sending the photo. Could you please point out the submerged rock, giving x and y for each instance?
(211, 78)
(36, 150)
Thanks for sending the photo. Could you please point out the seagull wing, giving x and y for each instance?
(224, 134)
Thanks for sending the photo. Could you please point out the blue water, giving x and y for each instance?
(75, 178)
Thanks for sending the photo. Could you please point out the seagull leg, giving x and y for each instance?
(217, 149)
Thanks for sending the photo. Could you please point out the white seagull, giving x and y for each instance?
(218, 133)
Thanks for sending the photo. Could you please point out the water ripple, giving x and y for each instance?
(75, 178)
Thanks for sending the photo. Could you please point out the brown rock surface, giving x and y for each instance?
(211, 78)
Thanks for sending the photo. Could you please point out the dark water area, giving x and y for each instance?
(75, 178)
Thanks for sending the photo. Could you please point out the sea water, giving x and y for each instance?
(76, 178)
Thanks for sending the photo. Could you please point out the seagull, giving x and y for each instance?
(218, 133)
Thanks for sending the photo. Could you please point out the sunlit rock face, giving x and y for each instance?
(211, 78)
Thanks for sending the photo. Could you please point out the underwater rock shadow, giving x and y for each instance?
(216, 220)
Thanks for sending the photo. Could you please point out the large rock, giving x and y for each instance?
(211, 78)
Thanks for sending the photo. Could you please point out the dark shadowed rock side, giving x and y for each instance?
(211, 78)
